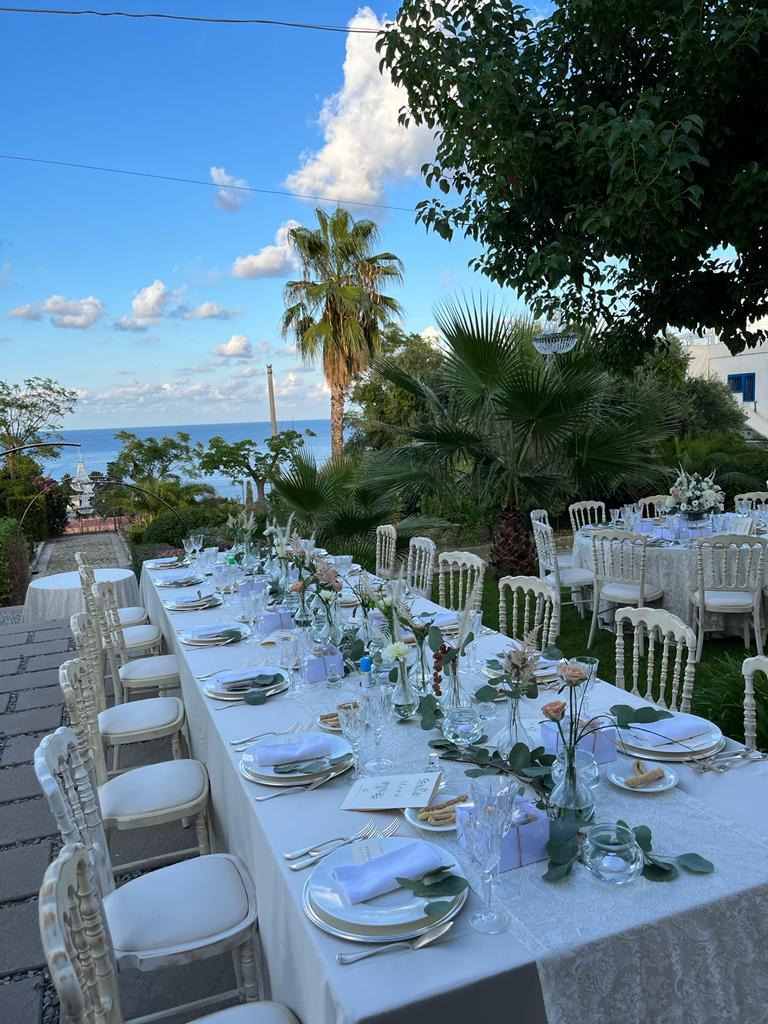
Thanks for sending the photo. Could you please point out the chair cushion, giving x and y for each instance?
(572, 578)
(140, 715)
(134, 615)
(725, 600)
(182, 904)
(141, 636)
(153, 788)
(146, 671)
(250, 1013)
(617, 593)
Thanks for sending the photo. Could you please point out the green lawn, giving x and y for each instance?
(718, 689)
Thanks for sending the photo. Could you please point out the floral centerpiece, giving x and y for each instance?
(514, 678)
(694, 495)
(404, 701)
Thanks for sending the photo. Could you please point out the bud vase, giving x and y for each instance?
(514, 731)
(454, 695)
(571, 797)
(404, 701)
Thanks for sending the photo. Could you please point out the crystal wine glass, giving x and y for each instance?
(378, 704)
(352, 722)
(483, 829)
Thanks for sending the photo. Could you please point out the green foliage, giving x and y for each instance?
(244, 459)
(210, 515)
(607, 156)
(31, 412)
(56, 509)
(153, 458)
(665, 868)
(14, 563)
(740, 466)
(32, 508)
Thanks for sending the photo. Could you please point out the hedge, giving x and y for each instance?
(35, 523)
(14, 563)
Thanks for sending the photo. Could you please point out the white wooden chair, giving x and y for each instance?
(386, 551)
(132, 615)
(649, 507)
(535, 605)
(748, 669)
(586, 513)
(420, 567)
(676, 639)
(81, 959)
(540, 515)
(755, 498)
(550, 570)
(175, 915)
(618, 560)
(137, 640)
(729, 581)
(132, 676)
(460, 577)
(153, 794)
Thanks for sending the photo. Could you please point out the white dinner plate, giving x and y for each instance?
(411, 815)
(269, 691)
(397, 913)
(688, 755)
(212, 601)
(703, 743)
(171, 562)
(620, 773)
(267, 774)
(187, 581)
(204, 636)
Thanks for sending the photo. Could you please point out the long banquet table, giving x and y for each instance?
(692, 950)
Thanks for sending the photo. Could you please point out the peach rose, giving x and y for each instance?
(298, 586)
(572, 674)
(554, 711)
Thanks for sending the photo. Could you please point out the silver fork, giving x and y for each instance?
(297, 789)
(307, 862)
(364, 832)
(244, 744)
(258, 735)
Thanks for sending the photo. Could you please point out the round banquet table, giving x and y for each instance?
(59, 596)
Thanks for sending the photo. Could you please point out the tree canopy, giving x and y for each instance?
(241, 460)
(610, 157)
(153, 458)
(31, 412)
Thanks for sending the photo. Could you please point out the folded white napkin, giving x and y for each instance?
(361, 882)
(193, 602)
(205, 631)
(667, 730)
(545, 667)
(241, 676)
(440, 618)
(299, 748)
(167, 560)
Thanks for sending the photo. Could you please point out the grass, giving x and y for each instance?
(718, 690)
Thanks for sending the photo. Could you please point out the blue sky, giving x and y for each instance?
(161, 301)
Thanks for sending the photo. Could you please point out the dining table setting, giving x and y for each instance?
(401, 877)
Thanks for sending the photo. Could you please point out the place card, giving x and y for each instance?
(392, 792)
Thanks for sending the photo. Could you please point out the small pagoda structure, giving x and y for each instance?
(81, 492)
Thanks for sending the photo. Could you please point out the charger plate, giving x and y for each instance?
(702, 745)
(167, 563)
(197, 635)
(288, 782)
(266, 774)
(269, 691)
(213, 601)
(395, 915)
(190, 581)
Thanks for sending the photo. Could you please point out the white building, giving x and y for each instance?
(82, 488)
(745, 373)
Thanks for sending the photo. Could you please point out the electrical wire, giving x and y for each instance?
(208, 184)
(189, 17)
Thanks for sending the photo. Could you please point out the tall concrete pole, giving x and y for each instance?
(272, 413)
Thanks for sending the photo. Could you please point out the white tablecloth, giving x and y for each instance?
(566, 935)
(59, 596)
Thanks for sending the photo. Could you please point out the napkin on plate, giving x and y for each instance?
(299, 748)
(244, 678)
(681, 727)
(441, 619)
(361, 882)
(210, 632)
(194, 602)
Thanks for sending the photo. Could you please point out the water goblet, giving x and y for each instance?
(483, 831)
(352, 722)
(188, 546)
(378, 704)
(615, 515)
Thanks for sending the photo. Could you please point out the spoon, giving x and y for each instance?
(423, 940)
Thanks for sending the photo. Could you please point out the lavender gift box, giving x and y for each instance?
(321, 665)
(525, 843)
(600, 742)
(280, 618)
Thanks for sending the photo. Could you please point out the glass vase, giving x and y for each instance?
(515, 731)
(571, 797)
(454, 695)
(421, 672)
(404, 701)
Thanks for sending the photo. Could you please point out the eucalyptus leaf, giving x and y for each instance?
(434, 639)
(625, 715)
(656, 871)
(486, 693)
(255, 697)
(696, 863)
(556, 872)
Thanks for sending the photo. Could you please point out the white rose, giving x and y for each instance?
(397, 651)
(328, 595)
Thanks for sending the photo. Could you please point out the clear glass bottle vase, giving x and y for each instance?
(571, 797)
(515, 731)
(404, 701)
(454, 695)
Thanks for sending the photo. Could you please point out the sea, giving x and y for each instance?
(99, 447)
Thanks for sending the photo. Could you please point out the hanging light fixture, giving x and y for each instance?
(553, 341)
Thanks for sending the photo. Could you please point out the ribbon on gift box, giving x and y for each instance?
(524, 843)
(320, 666)
(600, 742)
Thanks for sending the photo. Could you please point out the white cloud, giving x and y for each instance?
(29, 311)
(238, 347)
(271, 261)
(213, 311)
(151, 304)
(76, 313)
(226, 198)
(365, 147)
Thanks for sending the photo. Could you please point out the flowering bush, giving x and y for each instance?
(692, 492)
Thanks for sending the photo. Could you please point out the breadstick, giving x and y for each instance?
(446, 817)
(633, 781)
(425, 812)
(332, 718)
(638, 768)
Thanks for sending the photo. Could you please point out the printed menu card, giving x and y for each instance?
(392, 792)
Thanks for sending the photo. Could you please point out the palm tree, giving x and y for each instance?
(524, 431)
(337, 309)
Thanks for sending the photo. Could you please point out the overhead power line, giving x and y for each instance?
(208, 184)
(190, 17)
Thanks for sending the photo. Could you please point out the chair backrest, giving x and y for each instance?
(81, 697)
(754, 498)
(676, 638)
(540, 515)
(90, 646)
(586, 513)
(66, 784)
(386, 550)
(76, 940)
(107, 618)
(751, 665)
(460, 578)
(546, 550)
(534, 606)
(421, 565)
(619, 556)
(649, 507)
(729, 562)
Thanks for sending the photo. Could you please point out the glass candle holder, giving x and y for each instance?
(611, 853)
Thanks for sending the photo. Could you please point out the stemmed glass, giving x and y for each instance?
(188, 546)
(378, 704)
(352, 723)
(483, 829)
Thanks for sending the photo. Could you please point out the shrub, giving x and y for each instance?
(56, 509)
(14, 562)
(167, 529)
(35, 525)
